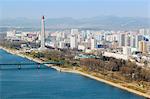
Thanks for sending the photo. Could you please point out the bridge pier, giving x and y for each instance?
(19, 67)
(38, 66)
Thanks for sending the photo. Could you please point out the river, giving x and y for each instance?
(47, 83)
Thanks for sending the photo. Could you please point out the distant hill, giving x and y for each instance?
(101, 22)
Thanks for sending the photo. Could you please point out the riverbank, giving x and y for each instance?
(78, 72)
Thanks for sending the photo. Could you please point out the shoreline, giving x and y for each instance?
(78, 72)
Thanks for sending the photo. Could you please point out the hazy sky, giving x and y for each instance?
(73, 8)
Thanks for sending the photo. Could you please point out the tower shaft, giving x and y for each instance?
(42, 34)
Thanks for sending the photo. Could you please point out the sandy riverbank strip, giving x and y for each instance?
(108, 82)
(77, 72)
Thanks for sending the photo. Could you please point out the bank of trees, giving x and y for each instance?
(123, 68)
(9, 44)
(54, 55)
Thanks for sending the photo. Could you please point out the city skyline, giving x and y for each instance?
(80, 49)
(73, 8)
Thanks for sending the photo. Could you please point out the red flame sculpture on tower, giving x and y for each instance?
(42, 17)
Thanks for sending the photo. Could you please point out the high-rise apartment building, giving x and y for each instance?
(73, 41)
(93, 43)
(143, 46)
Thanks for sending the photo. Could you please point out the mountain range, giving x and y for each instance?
(100, 22)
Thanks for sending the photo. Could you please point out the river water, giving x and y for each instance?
(47, 83)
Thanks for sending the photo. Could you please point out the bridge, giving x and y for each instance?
(20, 65)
